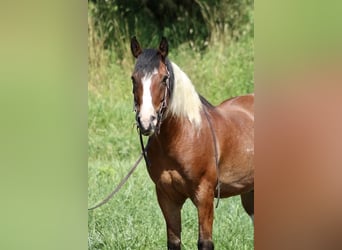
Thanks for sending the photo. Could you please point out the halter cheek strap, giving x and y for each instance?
(160, 113)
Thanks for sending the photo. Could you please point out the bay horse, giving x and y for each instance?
(194, 150)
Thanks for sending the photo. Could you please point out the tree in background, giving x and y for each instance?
(196, 22)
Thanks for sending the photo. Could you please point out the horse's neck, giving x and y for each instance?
(175, 127)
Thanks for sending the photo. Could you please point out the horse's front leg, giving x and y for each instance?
(171, 207)
(204, 201)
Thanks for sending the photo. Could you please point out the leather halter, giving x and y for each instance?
(160, 117)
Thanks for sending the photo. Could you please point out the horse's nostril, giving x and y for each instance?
(153, 118)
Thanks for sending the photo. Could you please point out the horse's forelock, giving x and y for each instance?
(147, 61)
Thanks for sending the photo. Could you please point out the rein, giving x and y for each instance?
(143, 149)
(143, 153)
(122, 182)
(218, 187)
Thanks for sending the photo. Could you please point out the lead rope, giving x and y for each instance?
(218, 187)
(122, 182)
(143, 149)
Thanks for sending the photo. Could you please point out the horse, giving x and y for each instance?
(195, 150)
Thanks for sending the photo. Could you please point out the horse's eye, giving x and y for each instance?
(165, 79)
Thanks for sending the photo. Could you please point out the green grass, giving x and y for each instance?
(132, 219)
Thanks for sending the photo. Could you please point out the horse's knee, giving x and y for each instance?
(247, 201)
(173, 246)
(205, 245)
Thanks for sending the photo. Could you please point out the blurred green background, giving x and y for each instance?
(43, 127)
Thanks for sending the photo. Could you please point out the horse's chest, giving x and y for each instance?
(171, 181)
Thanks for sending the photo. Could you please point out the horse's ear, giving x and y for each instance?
(135, 47)
(163, 47)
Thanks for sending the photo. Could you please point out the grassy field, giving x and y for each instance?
(132, 219)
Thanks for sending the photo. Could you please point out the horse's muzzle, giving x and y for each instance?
(147, 126)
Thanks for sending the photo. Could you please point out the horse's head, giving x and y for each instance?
(151, 85)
